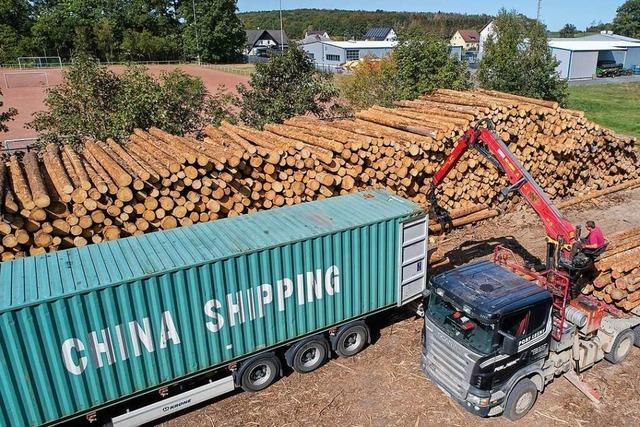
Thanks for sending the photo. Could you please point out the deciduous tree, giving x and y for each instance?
(424, 64)
(215, 33)
(5, 116)
(94, 102)
(287, 85)
(627, 20)
(518, 60)
(569, 30)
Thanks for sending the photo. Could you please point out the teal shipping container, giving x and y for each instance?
(84, 328)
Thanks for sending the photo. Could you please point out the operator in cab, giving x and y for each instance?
(595, 239)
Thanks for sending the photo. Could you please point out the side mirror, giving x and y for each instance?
(509, 344)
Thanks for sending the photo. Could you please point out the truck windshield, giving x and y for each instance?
(459, 325)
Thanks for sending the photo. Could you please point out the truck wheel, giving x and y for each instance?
(621, 347)
(351, 340)
(636, 332)
(309, 356)
(521, 399)
(259, 373)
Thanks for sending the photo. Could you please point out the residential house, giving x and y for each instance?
(320, 33)
(467, 39)
(314, 36)
(381, 34)
(261, 42)
(487, 32)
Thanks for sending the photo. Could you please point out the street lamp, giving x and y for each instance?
(281, 31)
(195, 24)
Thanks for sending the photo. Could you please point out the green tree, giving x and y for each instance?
(569, 30)
(5, 116)
(424, 64)
(215, 34)
(94, 102)
(518, 60)
(287, 85)
(627, 20)
(374, 82)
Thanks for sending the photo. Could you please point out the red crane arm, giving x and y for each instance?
(557, 227)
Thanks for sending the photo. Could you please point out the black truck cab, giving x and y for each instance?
(486, 329)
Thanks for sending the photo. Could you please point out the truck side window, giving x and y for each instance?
(516, 324)
(539, 317)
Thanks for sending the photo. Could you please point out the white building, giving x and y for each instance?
(579, 57)
(485, 33)
(381, 34)
(328, 55)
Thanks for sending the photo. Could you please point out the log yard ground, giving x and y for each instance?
(383, 385)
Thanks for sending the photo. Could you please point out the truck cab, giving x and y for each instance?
(489, 338)
(486, 329)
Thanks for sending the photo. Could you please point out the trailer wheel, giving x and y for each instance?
(259, 373)
(521, 399)
(309, 355)
(351, 340)
(621, 347)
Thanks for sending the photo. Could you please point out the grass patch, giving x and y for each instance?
(615, 106)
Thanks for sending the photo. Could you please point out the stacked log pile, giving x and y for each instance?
(65, 197)
(618, 279)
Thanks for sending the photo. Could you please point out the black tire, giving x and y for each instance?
(636, 332)
(259, 373)
(351, 340)
(309, 356)
(621, 347)
(521, 399)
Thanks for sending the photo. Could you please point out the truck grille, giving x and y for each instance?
(447, 362)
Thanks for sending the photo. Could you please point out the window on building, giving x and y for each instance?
(353, 54)
(311, 55)
(331, 57)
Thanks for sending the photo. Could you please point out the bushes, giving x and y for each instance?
(374, 81)
(287, 85)
(419, 65)
(94, 102)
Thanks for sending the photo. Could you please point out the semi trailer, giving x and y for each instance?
(127, 331)
(497, 332)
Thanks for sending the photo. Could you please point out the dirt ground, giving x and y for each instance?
(28, 100)
(383, 385)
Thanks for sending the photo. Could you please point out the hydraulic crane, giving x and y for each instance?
(494, 339)
(566, 261)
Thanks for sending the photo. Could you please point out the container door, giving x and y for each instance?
(413, 259)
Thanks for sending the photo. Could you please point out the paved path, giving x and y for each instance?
(606, 80)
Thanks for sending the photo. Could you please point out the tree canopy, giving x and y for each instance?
(94, 102)
(627, 20)
(420, 64)
(518, 60)
(569, 30)
(287, 85)
(120, 30)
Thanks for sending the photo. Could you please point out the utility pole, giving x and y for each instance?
(195, 26)
(539, 10)
(281, 31)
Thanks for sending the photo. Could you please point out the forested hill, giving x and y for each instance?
(354, 24)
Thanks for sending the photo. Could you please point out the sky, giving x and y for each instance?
(555, 13)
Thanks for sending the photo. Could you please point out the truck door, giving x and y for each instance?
(412, 259)
(531, 328)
